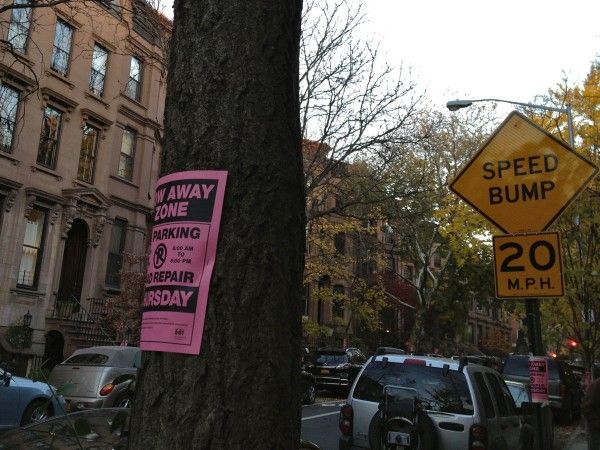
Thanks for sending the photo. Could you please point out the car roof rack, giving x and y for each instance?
(389, 351)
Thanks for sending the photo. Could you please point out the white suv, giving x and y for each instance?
(468, 406)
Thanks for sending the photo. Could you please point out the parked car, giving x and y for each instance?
(98, 377)
(308, 385)
(23, 401)
(542, 427)
(564, 392)
(336, 369)
(465, 405)
(93, 429)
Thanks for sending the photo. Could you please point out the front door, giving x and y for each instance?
(73, 265)
(53, 350)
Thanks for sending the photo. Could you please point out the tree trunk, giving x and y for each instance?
(232, 105)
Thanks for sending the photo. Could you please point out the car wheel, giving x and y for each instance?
(36, 411)
(426, 432)
(124, 401)
(310, 394)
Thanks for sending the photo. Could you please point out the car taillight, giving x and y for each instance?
(346, 416)
(478, 437)
(107, 389)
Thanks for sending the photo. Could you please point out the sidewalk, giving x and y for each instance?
(576, 441)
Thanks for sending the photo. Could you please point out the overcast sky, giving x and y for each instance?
(509, 49)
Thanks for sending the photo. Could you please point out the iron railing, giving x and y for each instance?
(85, 323)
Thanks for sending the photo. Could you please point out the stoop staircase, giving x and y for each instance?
(81, 326)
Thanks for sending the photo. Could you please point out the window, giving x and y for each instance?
(134, 84)
(87, 359)
(504, 401)
(48, 148)
(9, 101)
(98, 72)
(20, 22)
(484, 393)
(338, 301)
(439, 392)
(31, 255)
(62, 47)
(87, 155)
(339, 242)
(127, 154)
(115, 253)
(407, 272)
(390, 263)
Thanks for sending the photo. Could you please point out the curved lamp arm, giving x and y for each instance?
(454, 105)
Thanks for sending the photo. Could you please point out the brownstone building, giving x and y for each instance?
(81, 106)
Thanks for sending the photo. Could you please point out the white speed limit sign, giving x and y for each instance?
(528, 265)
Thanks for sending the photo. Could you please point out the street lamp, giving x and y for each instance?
(455, 105)
(27, 319)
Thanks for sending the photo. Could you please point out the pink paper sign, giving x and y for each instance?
(538, 375)
(187, 215)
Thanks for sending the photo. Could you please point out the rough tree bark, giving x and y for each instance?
(233, 105)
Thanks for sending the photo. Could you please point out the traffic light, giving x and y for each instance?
(571, 343)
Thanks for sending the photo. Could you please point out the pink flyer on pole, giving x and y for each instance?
(186, 219)
(538, 375)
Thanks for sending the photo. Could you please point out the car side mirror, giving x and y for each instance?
(137, 360)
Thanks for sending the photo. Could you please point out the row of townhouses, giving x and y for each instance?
(81, 106)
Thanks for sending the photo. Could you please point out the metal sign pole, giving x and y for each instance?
(534, 329)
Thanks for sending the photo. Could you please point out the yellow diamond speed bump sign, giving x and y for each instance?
(523, 178)
(528, 265)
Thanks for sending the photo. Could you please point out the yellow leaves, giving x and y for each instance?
(329, 249)
(312, 328)
(468, 232)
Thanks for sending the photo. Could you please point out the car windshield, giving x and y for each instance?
(519, 366)
(330, 359)
(437, 392)
(87, 359)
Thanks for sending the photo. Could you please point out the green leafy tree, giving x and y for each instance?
(443, 236)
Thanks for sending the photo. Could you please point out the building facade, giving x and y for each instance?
(81, 106)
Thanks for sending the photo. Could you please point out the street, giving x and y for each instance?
(320, 423)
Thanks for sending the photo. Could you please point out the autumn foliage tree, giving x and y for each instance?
(124, 311)
(575, 316)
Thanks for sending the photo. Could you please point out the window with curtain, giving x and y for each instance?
(127, 154)
(134, 83)
(9, 103)
(98, 71)
(31, 254)
(87, 155)
(20, 23)
(115, 253)
(61, 53)
(48, 148)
